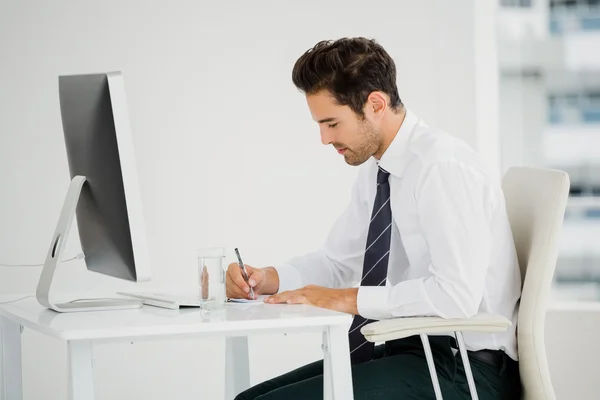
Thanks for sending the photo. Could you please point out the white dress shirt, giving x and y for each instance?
(452, 252)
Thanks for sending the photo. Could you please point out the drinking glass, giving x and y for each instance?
(211, 275)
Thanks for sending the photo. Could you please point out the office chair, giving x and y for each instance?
(536, 199)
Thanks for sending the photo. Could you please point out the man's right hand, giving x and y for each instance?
(262, 280)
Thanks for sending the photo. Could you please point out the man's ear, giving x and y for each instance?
(376, 104)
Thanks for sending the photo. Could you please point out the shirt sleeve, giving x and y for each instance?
(453, 210)
(338, 263)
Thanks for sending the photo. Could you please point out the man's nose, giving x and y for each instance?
(326, 136)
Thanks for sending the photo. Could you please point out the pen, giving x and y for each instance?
(244, 273)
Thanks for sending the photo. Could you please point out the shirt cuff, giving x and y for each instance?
(372, 302)
(289, 277)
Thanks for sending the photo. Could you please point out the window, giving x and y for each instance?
(515, 3)
(574, 15)
(574, 107)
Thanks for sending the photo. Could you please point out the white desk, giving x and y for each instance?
(235, 321)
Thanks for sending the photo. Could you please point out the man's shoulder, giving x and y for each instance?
(430, 146)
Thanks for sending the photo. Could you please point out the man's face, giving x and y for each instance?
(357, 139)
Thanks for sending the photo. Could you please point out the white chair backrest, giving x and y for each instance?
(535, 201)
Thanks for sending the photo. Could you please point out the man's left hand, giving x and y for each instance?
(343, 300)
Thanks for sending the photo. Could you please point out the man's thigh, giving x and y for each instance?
(297, 375)
(403, 376)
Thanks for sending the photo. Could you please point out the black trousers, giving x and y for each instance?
(399, 371)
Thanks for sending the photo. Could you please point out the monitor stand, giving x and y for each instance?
(53, 258)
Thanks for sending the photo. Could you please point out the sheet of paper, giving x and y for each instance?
(260, 299)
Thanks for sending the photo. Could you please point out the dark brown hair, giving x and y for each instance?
(350, 69)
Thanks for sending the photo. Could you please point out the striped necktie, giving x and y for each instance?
(375, 263)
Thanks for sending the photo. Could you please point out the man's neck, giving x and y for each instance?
(389, 129)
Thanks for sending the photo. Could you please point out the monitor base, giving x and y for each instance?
(97, 305)
(54, 257)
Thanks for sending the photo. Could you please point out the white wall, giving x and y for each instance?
(226, 150)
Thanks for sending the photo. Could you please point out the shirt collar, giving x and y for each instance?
(393, 160)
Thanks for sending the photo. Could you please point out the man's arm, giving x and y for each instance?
(343, 300)
(338, 264)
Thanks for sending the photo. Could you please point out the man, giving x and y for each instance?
(426, 233)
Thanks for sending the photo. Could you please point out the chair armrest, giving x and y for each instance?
(398, 328)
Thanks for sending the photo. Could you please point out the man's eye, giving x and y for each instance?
(333, 125)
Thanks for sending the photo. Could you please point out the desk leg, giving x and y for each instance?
(337, 377)
(327, 388)
(81, 372)
(237, 366)
(11, 381)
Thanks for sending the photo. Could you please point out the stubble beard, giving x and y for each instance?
(371, 142)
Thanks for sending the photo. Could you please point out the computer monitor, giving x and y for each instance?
(103, 194)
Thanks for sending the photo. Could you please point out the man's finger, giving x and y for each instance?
(298, 299)
(256, 277)
(232, 290)
(282, 297)
(238, 279)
